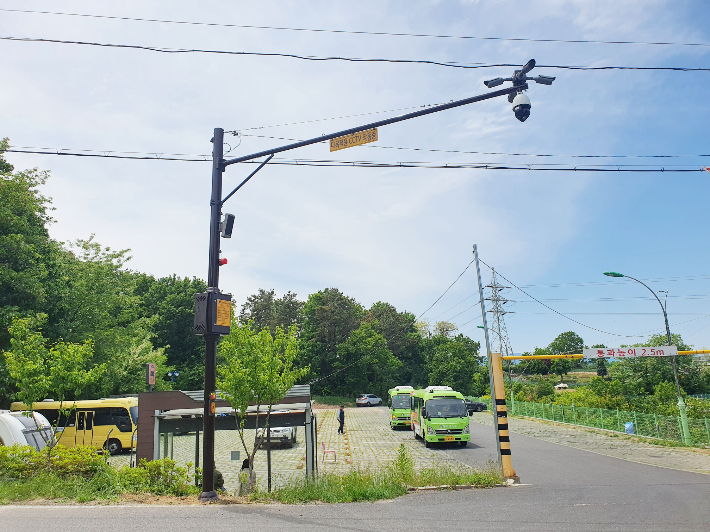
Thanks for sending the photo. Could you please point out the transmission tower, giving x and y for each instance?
(500, 333)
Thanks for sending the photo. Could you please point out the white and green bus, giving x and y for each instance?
(439, 414)
(399, 405)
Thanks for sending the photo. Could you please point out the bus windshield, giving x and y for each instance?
(446, 407)
(400, 402)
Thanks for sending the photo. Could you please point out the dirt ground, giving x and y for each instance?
(608, 443)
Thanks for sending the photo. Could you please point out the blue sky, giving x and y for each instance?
(397, 235)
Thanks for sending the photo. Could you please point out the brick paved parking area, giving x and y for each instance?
(368, 443)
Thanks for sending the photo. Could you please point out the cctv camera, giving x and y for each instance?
(521, 107)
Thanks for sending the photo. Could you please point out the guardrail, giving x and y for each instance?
(647, 425)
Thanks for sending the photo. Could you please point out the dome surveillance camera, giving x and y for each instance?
(521, 107)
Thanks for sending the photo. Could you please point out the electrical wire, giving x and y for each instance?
(352, 32)
(618, 299)
(559, 313)
(334, 163)
(450, 64)
(236, 133)
(372, 352)
(600, 283)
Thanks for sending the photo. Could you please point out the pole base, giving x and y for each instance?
(208, 496)
(515, 479)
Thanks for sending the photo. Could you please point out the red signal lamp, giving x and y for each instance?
(222, 262)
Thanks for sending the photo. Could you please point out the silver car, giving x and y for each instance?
(280, 436)
(368, 399)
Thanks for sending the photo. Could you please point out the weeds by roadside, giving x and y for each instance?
(388, 483)
(332, 401)
(82, 475)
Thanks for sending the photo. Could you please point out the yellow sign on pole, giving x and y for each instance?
(356, 139)
(224, 313)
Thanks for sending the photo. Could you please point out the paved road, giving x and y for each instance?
(570, 489)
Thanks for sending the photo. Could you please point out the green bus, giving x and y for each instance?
(399, 405)
(439, 414)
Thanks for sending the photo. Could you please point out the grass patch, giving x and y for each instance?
(80, 474)
(333, 400)
(388, 483)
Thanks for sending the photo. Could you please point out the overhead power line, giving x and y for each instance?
(374, 350)
(337, 163)
(450, 64)
(237, 133)
(559, 313)
(353, 32)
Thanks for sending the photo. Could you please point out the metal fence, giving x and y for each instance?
(648, 425)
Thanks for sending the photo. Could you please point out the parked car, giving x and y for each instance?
(475, 406)
(367, 399)
(280, 436)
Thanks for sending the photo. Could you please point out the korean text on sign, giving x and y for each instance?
(356, 139)
(631, 352)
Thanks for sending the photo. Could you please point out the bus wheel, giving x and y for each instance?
(464, 443)
(113, 446)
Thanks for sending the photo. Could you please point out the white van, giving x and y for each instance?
(18, 428)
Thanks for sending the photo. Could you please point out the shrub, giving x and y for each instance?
(23, 461)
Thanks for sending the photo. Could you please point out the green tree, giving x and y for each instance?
(329, 317)
(27, 255)
(455, 363)
(567, 343)
(561, 366)
(601, 368)
(264, 310)
(444, 328)
(257, 369)
(62, 371)
(168, 304)
(364, 364)
(645, 373)
(402, 338)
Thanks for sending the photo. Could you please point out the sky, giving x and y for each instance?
(400, 235)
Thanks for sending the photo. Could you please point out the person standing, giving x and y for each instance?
(341, 419)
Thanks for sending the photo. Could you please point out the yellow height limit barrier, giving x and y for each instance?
(501, 411)
(579, 355)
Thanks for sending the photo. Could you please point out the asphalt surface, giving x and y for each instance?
(567, 489)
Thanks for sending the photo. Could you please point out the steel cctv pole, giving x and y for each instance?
(205, 321)
(208, 492)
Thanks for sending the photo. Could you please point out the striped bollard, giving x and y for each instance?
(501, 412)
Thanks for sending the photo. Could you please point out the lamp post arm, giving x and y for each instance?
(665, 315)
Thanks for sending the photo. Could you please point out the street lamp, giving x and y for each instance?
(681, 403)
(172, 374)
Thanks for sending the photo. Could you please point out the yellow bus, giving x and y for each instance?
(102, 423)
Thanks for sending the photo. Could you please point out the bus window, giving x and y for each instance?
(65, 420)
(80, 421)
(399, 402)
(121, 419)
(89, 420)
(134, 414)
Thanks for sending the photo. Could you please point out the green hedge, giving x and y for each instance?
(80, 473)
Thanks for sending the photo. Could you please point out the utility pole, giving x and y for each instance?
(489, 357)
(495, 371)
